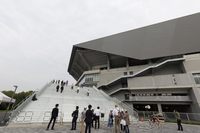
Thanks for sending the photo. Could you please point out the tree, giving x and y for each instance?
(19, 97)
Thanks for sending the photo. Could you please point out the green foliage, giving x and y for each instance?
(17, 96)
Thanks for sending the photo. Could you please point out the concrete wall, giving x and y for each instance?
(160, 81)
(169, 68)
(195, 96)
(161, 98)
(192, 63)
(174, 75)
(107, 76)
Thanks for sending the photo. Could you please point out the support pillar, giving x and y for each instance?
(127, 64)
(159, 108)
(108, 62)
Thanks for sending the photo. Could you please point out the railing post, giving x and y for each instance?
(187, 117)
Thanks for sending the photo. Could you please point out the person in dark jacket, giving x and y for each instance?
(88, 119)
(57, 88)
(61, 89)
(74, 119)
(178, 119)
(54, 115)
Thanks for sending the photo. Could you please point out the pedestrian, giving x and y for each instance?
(88, 92)
(117, 118)
(77, 89)
(34, 98)
(97, 113)
(61, 89)
(122, 121)
(178, 120)
(88, 119)
(74, 119)
(72, 87)
(54, 115)
(83, 116)
(57, 88)
(127, 121)
(66, 83)
(110, 119)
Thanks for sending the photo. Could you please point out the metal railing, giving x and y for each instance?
(143, 70)
(189, 118)
(23, 103)
(20, 106)
(131, 111)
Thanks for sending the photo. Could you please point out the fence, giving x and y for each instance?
(22, 104)
(132, 111)
(188, 118)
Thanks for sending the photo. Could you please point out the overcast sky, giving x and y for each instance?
(36, 36)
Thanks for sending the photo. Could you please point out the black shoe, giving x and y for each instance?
(52, 129)
(47, 129)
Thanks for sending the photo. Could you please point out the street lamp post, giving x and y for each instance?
(15, 86)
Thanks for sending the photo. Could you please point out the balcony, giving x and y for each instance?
(161, 81)
(160, 98)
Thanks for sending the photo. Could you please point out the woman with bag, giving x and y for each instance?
(127, 121)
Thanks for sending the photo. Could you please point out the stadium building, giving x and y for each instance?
(156, 65)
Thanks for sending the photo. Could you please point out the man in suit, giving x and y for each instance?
(54, 115)
(88, 119)
(75, 117)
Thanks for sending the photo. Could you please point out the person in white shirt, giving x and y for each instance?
(97, 113)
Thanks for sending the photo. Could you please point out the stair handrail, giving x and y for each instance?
(131, 111)
(33, 93)
(149, 67)
(19, 108)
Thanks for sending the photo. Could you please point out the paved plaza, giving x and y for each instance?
(40, 128)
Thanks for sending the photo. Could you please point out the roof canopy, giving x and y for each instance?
(174, 37)
(4, 98)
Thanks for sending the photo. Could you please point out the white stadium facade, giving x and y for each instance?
(156, 65)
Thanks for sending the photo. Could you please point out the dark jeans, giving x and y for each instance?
(52, 119)
(110, 122)
(74, 123)
(126, 129)
(88, 127)
(93, 120)
(97, 122)
(180, 127)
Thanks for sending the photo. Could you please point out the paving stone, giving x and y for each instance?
(40, 128)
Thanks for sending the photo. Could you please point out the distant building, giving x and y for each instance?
(157, 65)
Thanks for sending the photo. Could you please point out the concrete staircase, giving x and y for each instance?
(39, 111)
